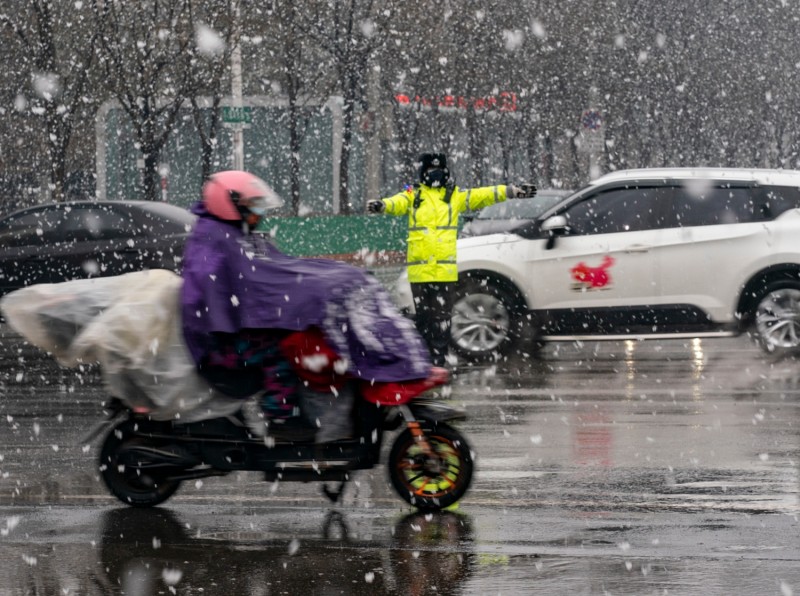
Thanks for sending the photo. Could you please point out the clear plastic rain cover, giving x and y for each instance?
(129, 324)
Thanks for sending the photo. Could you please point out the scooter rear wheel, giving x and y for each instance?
(430, 484)
(135, 487)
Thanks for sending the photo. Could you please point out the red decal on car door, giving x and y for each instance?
(592, 278)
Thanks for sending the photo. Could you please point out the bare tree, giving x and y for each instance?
(350, 32)
(57, 51)
(300, 72)
(669, 82)
(209, 63)
(145, 50)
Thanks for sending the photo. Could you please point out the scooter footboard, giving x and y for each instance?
(291, 461)
(224, 445)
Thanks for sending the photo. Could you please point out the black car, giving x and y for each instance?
(76, 240)
(509, 215)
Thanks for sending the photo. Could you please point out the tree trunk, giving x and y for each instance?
(150, 175)
(56, 153)
(473, 127)
(58, 175)
(531, 148)
(294, 151)
(577, 182)
(348, 116)
(547, 159)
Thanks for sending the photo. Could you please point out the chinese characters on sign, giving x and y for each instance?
(502, 102)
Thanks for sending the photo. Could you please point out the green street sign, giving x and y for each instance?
(237, 115)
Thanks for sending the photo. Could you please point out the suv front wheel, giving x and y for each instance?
(487, 321)
(777, 317)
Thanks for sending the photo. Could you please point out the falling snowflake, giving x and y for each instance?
(171, 576)
(294, 546)
(209, 42)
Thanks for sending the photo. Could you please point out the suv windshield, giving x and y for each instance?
(523, 208)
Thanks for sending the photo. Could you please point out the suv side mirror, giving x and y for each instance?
(554, 226)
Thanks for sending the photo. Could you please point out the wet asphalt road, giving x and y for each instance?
(603, 468)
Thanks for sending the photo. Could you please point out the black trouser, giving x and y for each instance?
(433, 302)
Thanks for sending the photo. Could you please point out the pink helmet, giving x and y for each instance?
(231, 194)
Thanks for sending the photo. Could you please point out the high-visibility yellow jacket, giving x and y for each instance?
(433, 226)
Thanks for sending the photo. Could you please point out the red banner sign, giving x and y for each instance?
(502, 102)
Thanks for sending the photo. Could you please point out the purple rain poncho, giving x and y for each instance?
(234, 280)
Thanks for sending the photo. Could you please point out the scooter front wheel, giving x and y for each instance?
(132, 484)
(431, 483)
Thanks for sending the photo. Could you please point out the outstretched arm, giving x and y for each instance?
(398, 204)
(478, 198)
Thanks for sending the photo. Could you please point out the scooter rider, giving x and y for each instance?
(433, 207)
(242, 296)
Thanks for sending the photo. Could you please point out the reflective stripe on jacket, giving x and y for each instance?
(433, 226)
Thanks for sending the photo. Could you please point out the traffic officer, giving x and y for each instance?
(433, 207)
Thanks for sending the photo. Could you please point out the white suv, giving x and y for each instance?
(664, 253)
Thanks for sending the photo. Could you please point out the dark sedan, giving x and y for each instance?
(509, 215)
(62, 241)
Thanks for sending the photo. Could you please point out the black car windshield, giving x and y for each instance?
(523, 208)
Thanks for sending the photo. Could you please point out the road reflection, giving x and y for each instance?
(150, 551)
(627, 468)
